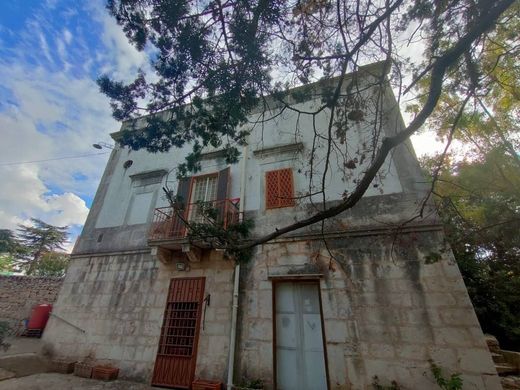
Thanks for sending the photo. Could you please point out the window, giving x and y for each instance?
(279, 189)
(204, 189)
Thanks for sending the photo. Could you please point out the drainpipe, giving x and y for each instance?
(233, 335)
(234, 313)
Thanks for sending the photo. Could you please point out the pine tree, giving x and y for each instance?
(38, 239)
(7, 241)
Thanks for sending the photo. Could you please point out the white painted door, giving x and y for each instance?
(300, 358)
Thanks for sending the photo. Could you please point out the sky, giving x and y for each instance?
(51, 52)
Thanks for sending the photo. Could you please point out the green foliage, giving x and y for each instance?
(4, 332)
(432, 257)
(52, 264)
(478, 186)
(6, 263)
(479, 202)
(208, 224)
(454, 382)
(7, 241)
(377, 386)
(249, 384)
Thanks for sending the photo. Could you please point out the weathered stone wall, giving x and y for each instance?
(390, 303)
(119, 301)
(19, 294)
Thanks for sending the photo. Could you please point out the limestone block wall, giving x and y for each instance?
(118, 302)
(390, 303)
(19, 294)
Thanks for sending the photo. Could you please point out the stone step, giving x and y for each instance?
(498, 358)
(492, 343)
(505, 369)
(510, 382)
(6, 374)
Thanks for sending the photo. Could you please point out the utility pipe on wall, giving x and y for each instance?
(234, 310)
(233, 335)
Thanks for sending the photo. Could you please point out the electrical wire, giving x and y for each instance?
(51, 159)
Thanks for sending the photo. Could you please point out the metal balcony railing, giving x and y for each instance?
(169, 223)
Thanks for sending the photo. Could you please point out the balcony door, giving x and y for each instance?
(203, 194)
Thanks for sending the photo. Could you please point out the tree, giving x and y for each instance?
(479, 202)
(217, 60)
(52, 264)
(7, 247)
(478, 187)
(37, 240)
(7, 241)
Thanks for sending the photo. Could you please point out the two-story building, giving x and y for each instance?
(372, 292)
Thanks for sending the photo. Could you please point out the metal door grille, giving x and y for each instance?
(177, 353)
(179, 330)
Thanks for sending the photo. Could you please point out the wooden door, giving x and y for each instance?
(177, 354)
(300, 352)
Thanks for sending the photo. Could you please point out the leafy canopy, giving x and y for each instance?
(477, 187)
(213, 60)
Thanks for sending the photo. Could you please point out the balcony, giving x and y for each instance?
(170, 228)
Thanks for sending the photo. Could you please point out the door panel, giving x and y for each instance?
(177, 353)
(300, 355)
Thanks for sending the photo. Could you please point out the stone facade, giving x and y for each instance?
(391, 295)
(19, 294)
(387, 310)
(116, 304)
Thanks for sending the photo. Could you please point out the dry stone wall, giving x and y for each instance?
(19, 294)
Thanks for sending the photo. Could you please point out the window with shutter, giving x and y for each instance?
(279, 189)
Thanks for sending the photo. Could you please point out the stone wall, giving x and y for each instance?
(19, 294)
(390, 303)
(116, 304)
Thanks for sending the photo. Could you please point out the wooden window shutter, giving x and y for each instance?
(223, 183)
(183, 192)
(222, 192)
(279, 188)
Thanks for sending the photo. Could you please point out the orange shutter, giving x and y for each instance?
(279, 189)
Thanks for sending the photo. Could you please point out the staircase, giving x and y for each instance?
(507, 364)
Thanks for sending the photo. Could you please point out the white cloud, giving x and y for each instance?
(31, 199)
(67, 36)
(121, 59)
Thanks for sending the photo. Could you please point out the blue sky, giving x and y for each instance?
(51, 53)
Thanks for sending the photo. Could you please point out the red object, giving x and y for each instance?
(105, 373)
(279, 189)
(39, 316)
(177, 354)
(206, 385)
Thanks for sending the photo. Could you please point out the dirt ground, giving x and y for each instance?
(53, 381)
(23, 360)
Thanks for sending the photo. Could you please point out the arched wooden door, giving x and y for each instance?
(177, 354)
